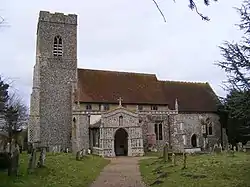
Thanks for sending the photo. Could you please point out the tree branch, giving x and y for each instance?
(192, 6)
(157, 6)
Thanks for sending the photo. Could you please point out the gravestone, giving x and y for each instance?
(78, 155)
(210, 149)
(165, 153)
(42, 157)
(13, 157)
(14, 163)
(173, 159)
(184, 160)
(56, 149)
(217, 149)
(247, 146)
(29, 149)
(240, 147)
(89, 151)
(234, 148)
(228, 148)
(32, 160)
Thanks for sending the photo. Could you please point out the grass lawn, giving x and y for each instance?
(202, 171)
(61, 170)
(153, 154)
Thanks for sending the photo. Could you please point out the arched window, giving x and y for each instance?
(210, 129)
(57, 50)
(120, 120)
(209, 125)
(158, 131)
(74, 128)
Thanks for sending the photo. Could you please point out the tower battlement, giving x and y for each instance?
(58, 17)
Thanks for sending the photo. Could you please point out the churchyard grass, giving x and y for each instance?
(153, 154)
(61, 170)
(220, 170)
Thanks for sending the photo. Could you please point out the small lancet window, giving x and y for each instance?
(209, 126)
(57, 49)
(120, 121)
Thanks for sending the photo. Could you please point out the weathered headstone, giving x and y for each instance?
(78, 155)
(29, 148)
(42, 157)
(234, 148)
(89, 151)
(53, 150)
(240, 147)
(165, 153)
(173, 159)
(217, 148)
(32, 160)
(59, 149)
(154, 150)
(210, 149)
(13, 160)
(247, 146)
(184, 160)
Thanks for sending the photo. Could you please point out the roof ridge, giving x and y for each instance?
(185, 82)
(116, 71)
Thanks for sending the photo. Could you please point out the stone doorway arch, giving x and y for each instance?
(121, 142)
(194, 140)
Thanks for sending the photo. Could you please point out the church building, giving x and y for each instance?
(109, 112)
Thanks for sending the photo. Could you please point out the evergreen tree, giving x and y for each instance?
(236, 63)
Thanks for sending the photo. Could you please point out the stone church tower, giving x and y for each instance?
(54, 79)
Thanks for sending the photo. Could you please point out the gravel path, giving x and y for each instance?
(121, 172)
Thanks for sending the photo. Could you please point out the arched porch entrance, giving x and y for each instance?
(121, 142)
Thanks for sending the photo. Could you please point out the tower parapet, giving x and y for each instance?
(58, 17)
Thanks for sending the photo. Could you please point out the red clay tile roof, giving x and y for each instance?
(192, 97)
(108, 86)
(98, 86)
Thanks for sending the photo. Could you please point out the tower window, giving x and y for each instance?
(57, 50)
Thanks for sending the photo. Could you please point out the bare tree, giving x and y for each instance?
(13, 112)
(15, 115)
(192, 5)
(18, 104)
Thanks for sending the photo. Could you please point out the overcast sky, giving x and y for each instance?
(126, 35)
